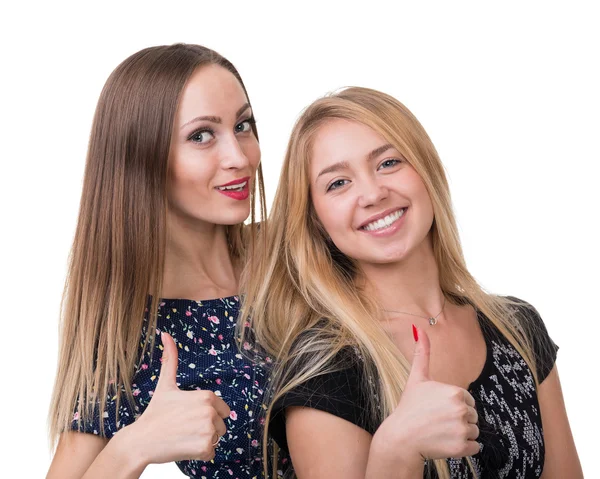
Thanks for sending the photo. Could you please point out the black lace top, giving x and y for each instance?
(511, 436)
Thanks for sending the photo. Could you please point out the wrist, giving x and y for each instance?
(128, 449)
(395, 449)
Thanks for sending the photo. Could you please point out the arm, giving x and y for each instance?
(177, 425)
(322, 445)
(81, 455)
(433, 420)
(561, 456)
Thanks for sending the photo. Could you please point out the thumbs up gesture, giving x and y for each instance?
(179, 425)
(433, 420)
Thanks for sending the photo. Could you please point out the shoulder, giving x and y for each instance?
(543, 347)
(339, 390)
(527, 317)
(330, 388)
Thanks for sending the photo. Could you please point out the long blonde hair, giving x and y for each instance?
(305, 306)
(118, 252)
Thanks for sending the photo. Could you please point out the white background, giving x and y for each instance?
(508, 92)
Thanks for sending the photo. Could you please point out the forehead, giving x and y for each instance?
(211, 90)
(343, 140)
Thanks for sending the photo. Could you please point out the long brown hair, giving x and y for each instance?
(306, 306)
(118, 252)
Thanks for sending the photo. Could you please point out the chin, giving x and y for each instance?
(388, 257)
(231, 215)
(231, 221)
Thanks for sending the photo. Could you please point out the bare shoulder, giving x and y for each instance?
(74, 454)
(323, 445)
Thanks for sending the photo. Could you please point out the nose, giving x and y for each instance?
(232, 154)
(371, 192)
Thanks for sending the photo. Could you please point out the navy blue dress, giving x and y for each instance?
(204, 332)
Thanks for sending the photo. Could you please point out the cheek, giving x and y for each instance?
(251, 150)
(425, 200)
(191, 170)
(417, 190)
(424, 204)
(333, 216)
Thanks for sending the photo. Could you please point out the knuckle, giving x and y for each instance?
(473, 449)
(208, 414)
(207, 396)
(462, 431)
(213, 414)
(459, 448)
(457, 394)
(462, 411)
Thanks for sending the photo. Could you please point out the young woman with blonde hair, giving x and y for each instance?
(172, 173)
(390, 359)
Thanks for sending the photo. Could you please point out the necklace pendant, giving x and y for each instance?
(432, 321)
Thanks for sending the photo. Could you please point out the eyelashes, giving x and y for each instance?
(199, 136)
(336, 184)
(391, 162)
(388, 163)
(250, 121)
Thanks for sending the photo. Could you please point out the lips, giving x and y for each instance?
(233, 183)
(236, 189)
(383, 219)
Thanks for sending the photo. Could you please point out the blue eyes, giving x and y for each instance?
(244, 126)
(389, 163)
(205, 134)
(385, 164)
(336, 184)
(202, 136)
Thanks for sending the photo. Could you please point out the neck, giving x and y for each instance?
(409, 286)
(198, 264)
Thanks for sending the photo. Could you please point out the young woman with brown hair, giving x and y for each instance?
(172, 173)
(362, 260)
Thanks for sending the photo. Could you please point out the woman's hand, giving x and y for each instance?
(433, 420)
(177, 425)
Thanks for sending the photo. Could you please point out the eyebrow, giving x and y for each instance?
(378, 151)
(217, 119)
(342, 165)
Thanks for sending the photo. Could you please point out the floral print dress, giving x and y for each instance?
(204, 332)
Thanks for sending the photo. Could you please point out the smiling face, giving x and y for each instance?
(369, 199)
(214, 153)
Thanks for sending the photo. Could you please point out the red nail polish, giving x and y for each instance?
(415, 333)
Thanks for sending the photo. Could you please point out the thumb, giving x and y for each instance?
(420, 366)
(170, 360)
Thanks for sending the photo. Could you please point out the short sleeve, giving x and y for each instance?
(544, 348)
(341, 392)
(107, 417)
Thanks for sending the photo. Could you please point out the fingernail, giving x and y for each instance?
(415, 333)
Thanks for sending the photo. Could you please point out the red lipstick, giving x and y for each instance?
(237, 189)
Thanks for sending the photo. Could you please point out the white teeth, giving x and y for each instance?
(384, 222)
(238, 187)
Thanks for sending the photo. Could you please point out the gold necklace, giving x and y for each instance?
(432, 319)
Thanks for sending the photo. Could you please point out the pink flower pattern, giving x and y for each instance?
(204, 332)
